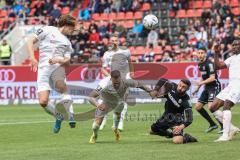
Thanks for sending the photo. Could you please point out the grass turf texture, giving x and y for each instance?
(26, 134)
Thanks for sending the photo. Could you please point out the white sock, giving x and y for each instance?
(69, 108)
(116, 120)
(227, 116)
(218, 115)
(95, 128)
(104, 122)
(123, 113)
(50, 108)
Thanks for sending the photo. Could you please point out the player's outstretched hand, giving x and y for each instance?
(34, 65)
(153, 94)
(178, 129)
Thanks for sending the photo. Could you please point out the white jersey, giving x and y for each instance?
(52, 43)
(117, 60)
(233, 63)
(110, 95)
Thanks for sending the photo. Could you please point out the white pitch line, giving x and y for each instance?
(17, 123)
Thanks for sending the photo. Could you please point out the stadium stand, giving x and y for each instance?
(188, 19)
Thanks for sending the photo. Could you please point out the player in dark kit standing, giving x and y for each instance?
(211, 85)
(178, 111)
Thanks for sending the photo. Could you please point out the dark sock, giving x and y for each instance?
(187, 138)
(205, 114)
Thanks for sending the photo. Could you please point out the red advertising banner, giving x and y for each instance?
(85, 72)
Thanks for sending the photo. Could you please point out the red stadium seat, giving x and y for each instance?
(181, 14)
(140, 50)
(157, 50)
(145, 7)
(120, 16)
(1, 21)
(207, 4)
(112, 16)
(198, 4)
(104, 16)
(129, 15)
(138, 15)
(129, 24)
(4, 13)
(236, 11)
(65, 10)
(95, 16)
(194, 13)
(235, 3)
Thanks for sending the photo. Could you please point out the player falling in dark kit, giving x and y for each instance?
(211, 85)
(178, 111)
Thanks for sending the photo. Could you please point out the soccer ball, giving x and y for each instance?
(150, 21)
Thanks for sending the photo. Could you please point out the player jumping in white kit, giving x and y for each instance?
(230, 95)
(54, 53)
(111, 91)
(117, 58)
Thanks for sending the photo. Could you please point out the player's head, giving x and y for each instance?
(116, 78)
(114, 40)
(183, 86)
(202, 54)
(236, 46)
(67, 24)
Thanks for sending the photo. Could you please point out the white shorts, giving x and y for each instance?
(116, 108)
(231, 92)
(48, 76)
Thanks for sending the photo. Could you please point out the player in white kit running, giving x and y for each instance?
(54, 53)
(117, 58)
(230, 95)
(111, 90)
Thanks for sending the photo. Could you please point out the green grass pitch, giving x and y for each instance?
(26, 134)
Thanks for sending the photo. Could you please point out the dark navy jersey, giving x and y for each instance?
(176, 103)
(207, 69)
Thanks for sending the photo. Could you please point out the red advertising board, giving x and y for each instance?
(143, 71)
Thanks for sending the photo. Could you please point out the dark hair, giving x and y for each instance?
(66, 20)
(202, 48)
(187, 82)
(115, 74)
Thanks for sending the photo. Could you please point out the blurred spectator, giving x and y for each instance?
(102, 30)
(5, 52)
(216, 5)
(137, 29)
(206, 16)
(166, 57)
(163, 38)
(135, 5)
(47, 7)
(84, 14)
(94, 36)
(120, 30)
(126, 5)
(152, 38)
(111, 27)
(202, 38)
(92, 26)
(116, 5)
(55, 13)
(183, 43)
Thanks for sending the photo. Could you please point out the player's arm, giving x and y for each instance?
(93, 98)
(162, 87)
(130, 64)
(218, 64)
(104, 70)
(30, 45)
(144, 87)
